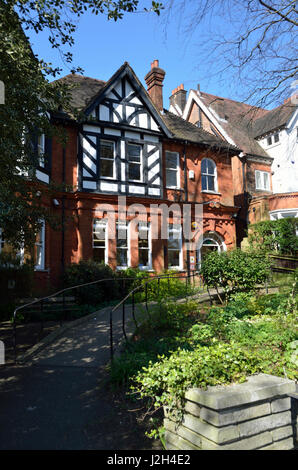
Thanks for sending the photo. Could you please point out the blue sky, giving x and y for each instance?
(101, 47)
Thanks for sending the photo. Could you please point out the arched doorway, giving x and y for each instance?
(211, 241)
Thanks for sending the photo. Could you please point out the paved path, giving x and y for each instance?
(60, 399)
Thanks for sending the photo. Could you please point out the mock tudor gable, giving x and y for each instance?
(120, 144)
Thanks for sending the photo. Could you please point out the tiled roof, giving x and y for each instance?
(238, 121)
(83, 89)
(184, 130)
(274, 119)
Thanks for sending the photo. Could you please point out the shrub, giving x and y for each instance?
(235, 270)
(275, 235)
(88, 271)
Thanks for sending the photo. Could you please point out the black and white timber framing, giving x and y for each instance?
(122, 114)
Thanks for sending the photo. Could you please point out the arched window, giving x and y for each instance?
(208, 171)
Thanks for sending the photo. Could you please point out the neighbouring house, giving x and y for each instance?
(126, 144)
(265, 173)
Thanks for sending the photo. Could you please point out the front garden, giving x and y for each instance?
(191, 344)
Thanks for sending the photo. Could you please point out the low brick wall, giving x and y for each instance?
(252, 415)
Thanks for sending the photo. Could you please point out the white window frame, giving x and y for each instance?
(215, 190)
(177, 229)
(103, 223)
(132, 144)
(109, 159)
(41, 265)
(172, 169)
(262, 188)
(146, 268)
(127, 225)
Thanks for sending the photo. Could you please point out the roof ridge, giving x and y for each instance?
(234, 101)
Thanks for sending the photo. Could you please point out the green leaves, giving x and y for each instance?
(235, 270)
(275, 235)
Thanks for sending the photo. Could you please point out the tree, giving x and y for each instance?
(252, 42)
(29, 96)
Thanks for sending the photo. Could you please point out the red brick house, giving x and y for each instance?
(128, 145)
(265, 173)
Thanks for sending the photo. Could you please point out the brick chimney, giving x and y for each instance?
(154, 80)
(179, 97)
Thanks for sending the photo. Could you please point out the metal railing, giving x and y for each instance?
(63, 292)
(184, 276)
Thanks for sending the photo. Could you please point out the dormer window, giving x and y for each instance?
(273, 139)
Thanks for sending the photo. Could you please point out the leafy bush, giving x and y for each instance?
(88, 271)
(235, 270)
(275, 235)
(251, 334)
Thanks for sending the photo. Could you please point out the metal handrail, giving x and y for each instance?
(131, 293)
(62, 292)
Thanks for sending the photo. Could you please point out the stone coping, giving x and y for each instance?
(256, 388)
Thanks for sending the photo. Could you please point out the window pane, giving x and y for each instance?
(107, 168)
(134, 171)
(134, 153)
(171, 160)
(210, 167)
(266, 180)
(173, 258)
(121, 257)
(173, 244)
(107, 150)
(258, 180)
(144, 258)
(276, 137)
(204, 183)
(171, 177)
(210, 183)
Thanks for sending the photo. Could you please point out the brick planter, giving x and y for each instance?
(252, 415)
